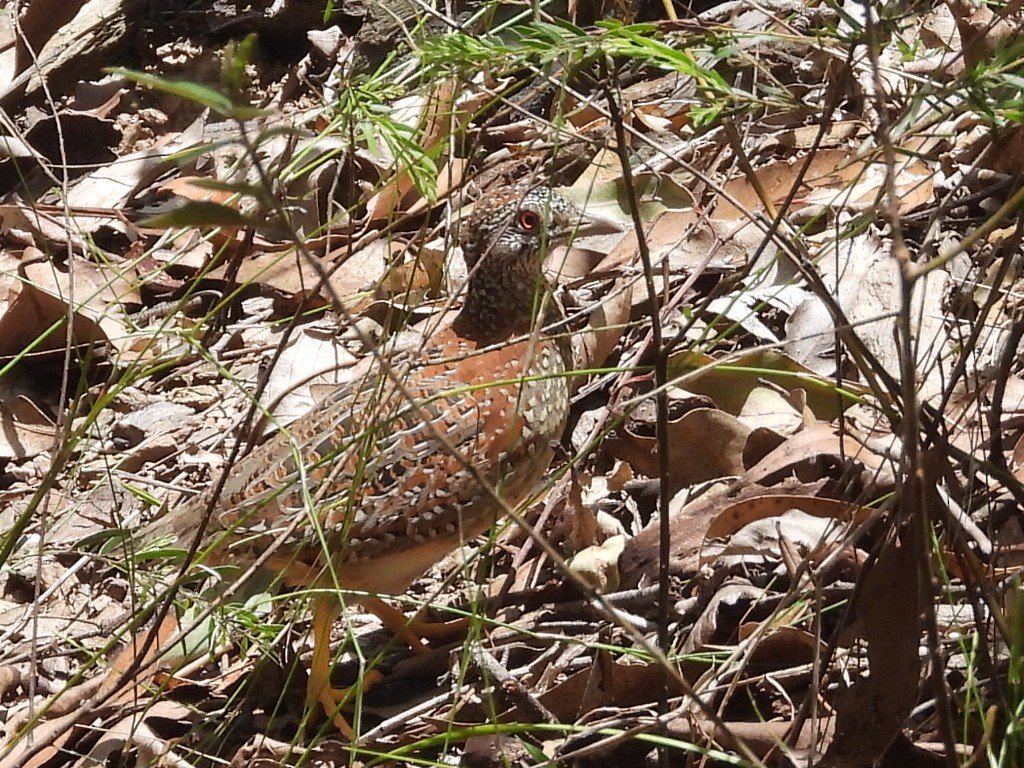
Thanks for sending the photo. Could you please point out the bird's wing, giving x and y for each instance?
(380, 465)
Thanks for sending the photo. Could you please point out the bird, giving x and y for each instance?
(393, 471)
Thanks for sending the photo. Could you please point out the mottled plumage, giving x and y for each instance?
(395, 470)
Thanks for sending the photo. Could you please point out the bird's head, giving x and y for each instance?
(518, 226)
(504, 243)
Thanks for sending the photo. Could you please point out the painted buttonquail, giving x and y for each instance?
(391, 473)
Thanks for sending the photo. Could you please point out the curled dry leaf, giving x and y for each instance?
(598, 565)
(689, 522)
(733, 517)
(781, 647)
(26, 431)
(888, 607)
(760, 738)
(43, 294)
(684, 243)
(835, 178)
(822, 451)
(716, 625)
(763, 540)
(617, 685)
(863, 278)
(111, 187)
(704, 444)
(982, 32)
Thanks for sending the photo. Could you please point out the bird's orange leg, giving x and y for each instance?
(319, 689)
(412, 631)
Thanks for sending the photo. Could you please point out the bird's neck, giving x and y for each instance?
(502, 305)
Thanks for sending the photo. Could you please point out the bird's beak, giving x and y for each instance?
(591, 225)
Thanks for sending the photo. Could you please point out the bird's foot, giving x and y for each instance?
(441, 631)
(333, 699)
(413, 631)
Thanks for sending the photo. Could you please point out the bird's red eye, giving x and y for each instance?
(529, 220)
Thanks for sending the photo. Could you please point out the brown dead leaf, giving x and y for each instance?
(781, 648)
(153, 641)
(110, 187)
(686, 243)
(192, 188)
(761, 738)
(863, 277)
(835, 178)
(23, 438)
(132, 731)
(49, 738)
(817, 451)
(620, 685)
(1006, 153)
(763, 506)
(982, 31)
(871, 711)
(354, 282)
(609, 200)
(810, 525)
(705, 443)
(598, 565)
(716, 624)
(35, 317)
(10, 678)
(689, 526)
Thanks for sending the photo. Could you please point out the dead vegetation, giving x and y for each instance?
(806, 356)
